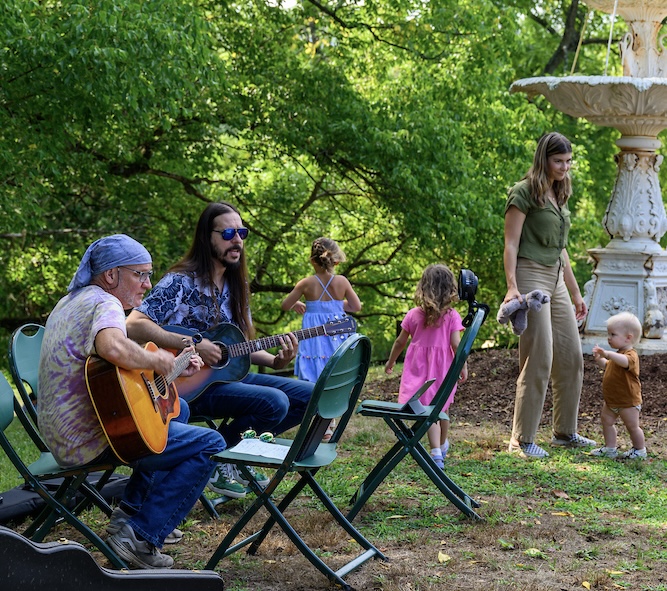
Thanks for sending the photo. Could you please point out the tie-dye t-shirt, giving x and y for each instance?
(67, 419)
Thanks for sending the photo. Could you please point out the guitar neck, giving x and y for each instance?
(180, 365)
(247, 347)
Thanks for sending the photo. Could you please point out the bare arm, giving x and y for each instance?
(455, 341)
(619, 358)
(141, 328)
(397, 347)
(291, 302)
(570, 281)
(352, 302)
(111, 344)
(514, 219)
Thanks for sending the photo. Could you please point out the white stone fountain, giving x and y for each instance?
(631, 271)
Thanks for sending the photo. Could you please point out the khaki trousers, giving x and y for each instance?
(550, 347)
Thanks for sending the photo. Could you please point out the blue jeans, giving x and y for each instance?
(164, 487)
(262, 402)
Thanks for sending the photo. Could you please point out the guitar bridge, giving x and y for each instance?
(151, 390)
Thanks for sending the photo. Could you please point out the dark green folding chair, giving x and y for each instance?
(410, 424)
(335, 395)
(57, 486)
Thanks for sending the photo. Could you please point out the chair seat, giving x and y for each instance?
(323, 456)
(377, 408)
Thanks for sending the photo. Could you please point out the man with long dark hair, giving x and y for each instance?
(209, 286)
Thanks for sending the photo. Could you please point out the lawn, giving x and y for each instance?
(568, 522)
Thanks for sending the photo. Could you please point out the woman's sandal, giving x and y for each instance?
(328, 434)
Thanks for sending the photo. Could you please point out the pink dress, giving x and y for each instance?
(429, 354)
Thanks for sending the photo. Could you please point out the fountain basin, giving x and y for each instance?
(634, 106)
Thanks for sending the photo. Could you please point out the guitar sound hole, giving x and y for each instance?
(224, 359)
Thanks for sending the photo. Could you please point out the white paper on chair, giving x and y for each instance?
(260, 448)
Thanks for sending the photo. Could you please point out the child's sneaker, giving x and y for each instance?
(437, 458)
(445, 448)
(633, 454)
(574, 440)
(604, 452)
(223, 483)
(528, 450)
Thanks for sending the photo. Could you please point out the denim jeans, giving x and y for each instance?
(164, 487)
(262, 402)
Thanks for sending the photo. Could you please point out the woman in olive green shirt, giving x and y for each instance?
(537, 222)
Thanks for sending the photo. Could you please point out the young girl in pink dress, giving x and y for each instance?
(435, 328)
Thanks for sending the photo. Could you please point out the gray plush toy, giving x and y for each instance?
(517, 312)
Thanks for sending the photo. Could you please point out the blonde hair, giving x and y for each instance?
(326, 253)
(435, 292)
(626, 321)
(538, 174)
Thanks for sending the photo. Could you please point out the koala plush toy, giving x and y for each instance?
(516, 312)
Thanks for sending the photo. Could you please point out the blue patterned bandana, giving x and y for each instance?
(106, 253)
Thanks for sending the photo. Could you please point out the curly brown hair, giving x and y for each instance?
(435, 293)
(326, 253)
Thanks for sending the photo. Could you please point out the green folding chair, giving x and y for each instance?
(335, 395)
(57, 486)
(410, 423)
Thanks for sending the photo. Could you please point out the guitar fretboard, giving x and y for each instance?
(247, 347)
(180, 364)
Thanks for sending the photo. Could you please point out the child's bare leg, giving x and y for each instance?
(608, 418)
(630, 418)
(434, 436)
(444, 431)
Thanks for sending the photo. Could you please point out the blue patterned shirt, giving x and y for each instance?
(183, 300)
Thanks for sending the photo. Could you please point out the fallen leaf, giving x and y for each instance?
(505, 545)
(586, 584)
(562, 513)
(396, 517)
(534, 553)
(561, 494)
(442, 557)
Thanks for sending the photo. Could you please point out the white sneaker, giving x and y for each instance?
(528, 450)
(574, 440)
(634, 454)
(604, 452)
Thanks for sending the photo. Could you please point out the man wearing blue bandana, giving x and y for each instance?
(112, 277)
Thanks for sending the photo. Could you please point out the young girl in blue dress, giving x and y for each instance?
(327, 297)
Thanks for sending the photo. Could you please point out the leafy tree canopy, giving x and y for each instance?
(387, 125)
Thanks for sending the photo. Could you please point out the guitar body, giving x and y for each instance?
(134, 414)
(233, 369)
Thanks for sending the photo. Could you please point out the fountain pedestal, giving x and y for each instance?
(631, 271)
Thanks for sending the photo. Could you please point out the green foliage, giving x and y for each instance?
(386, 125)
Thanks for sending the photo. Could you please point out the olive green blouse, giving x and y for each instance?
(544, 233)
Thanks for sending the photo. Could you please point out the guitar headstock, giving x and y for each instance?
(345, 325)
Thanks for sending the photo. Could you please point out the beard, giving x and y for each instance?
(221, 256)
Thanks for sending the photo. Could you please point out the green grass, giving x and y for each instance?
(562, 521)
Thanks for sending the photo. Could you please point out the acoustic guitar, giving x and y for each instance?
(134, 406)
(234, 364)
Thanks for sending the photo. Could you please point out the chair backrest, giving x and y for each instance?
(24, 350)
(25, 347)
(462, 353)
(335, 395)
(7, 398)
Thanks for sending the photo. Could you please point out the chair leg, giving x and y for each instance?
(377, 475)
(441, 480)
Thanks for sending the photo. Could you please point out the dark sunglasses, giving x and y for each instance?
(228, 233)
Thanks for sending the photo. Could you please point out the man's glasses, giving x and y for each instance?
(229, 233)
(143, 275)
